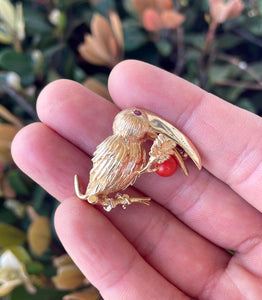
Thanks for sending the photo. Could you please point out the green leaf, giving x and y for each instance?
(233, 93)
(231, 252)
(228, 41)
(34, 268)
(134, 38)
(7, 216)
(229, 93)
(164, 47)
(52, 75)
(256, 100)
(52, 50)
(41, 294)
(246, 104)
(17, 182)
(192, 54)
(103, 6)
(129, 8)
(256, 67)
(259, 4)
(78, 74)
(219, 72)
(20, 63)
(10, 236)
(255, 25)
(196, 40)
(36, 22)
(38, 196)
(14, 61)
(204, 5)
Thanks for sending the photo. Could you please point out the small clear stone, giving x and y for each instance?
(107, 208)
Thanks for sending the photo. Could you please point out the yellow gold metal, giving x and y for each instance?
(121, 158)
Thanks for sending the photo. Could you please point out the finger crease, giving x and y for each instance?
(242, 168)
(187, 189)
(159, 225)
(249, 244)
(122, 273)
(187, 116)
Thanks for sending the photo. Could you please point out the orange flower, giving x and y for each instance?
(159, 5)
(221, 10)
(7, 133)
(158, 14)
(105, 45)
(68, 276)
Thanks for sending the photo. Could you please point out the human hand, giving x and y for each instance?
(173, 249)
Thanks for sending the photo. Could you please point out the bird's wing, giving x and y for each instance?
(115, 163)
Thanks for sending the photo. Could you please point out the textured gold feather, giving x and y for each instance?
(116, 167)
(121, 158)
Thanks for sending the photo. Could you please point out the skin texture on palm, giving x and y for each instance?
(173, 248)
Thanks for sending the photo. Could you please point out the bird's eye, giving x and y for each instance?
(137, 112)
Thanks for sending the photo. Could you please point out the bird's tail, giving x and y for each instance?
(77, 190)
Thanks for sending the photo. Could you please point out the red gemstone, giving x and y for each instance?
(167, 168)
(137, 112)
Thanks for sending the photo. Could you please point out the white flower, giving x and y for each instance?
(19, 22)
(12, 274)
(16, 207)
(54, 16)
(38, 59)
(30, 91)
(13, 80)
(12, 24)
(37, 56)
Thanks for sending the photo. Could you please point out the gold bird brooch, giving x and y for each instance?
(122, 157)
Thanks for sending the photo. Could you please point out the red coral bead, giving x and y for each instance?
(167, 168)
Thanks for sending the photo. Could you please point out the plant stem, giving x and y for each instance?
(180, 51)
(18, 45)
(245, 85)
(206, 57)
(19, 100)
(248, 36)
(237, 62)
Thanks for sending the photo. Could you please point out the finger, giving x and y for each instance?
(49, 159)
(114, 266)
(229, 138)
(29, 147)
(106, 258)
(220, 281)
(203, 202)
(156, 234)
(76, 113)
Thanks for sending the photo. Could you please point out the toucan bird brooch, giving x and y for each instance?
(121, 158)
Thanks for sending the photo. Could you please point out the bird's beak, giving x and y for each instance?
(159, 125)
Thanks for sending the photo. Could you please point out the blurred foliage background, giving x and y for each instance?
(215, 44)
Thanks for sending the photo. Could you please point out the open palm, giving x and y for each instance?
(173, 249)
